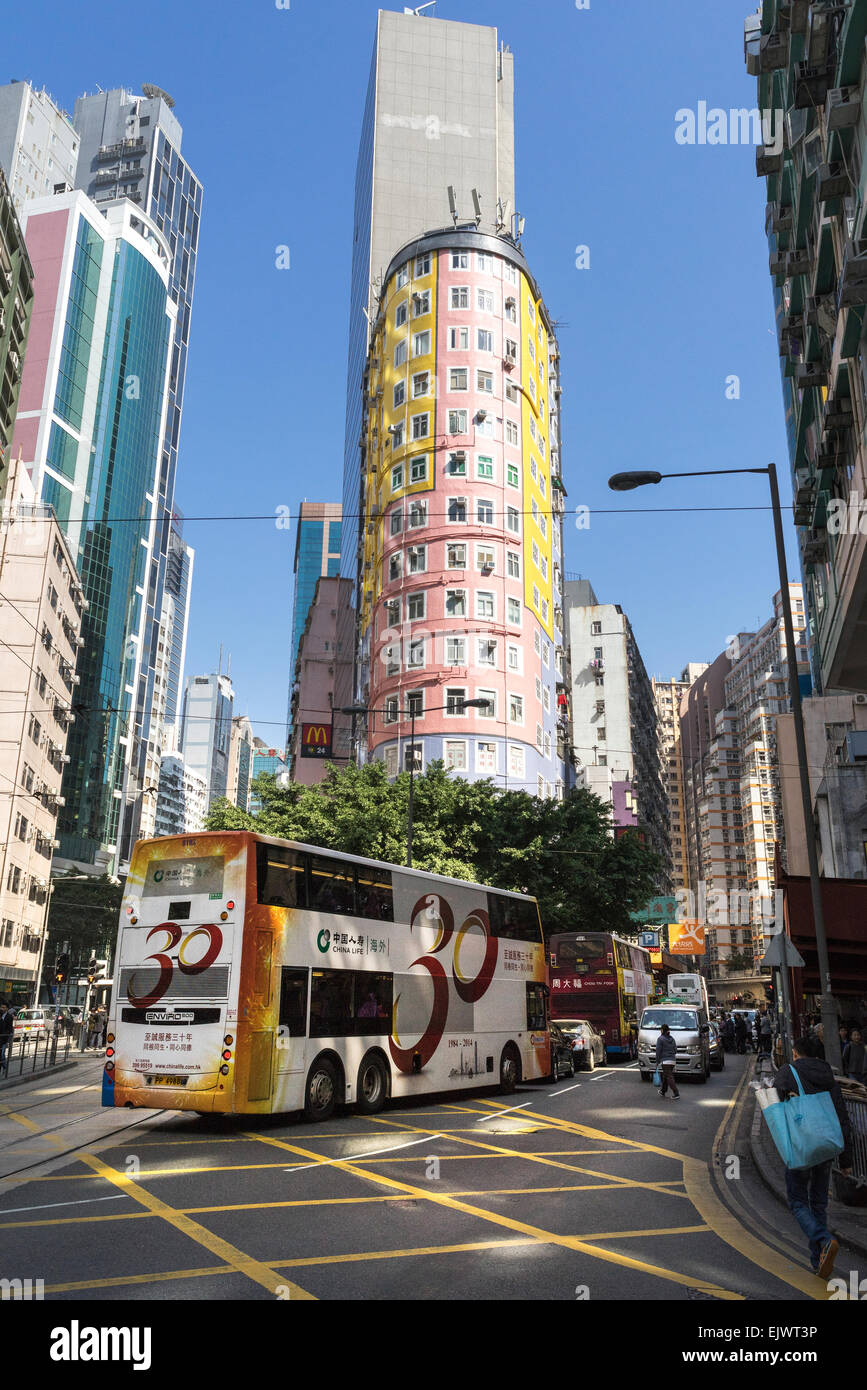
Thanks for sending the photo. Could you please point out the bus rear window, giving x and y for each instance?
(516, 919)
(173, 877)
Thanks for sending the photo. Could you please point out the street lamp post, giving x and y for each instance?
(410, 713)
(625, 482)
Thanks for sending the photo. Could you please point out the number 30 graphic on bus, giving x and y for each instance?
(167, 965)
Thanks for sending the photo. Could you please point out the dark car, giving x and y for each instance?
(717, 1051)
(588, 1047)
(561, 1053)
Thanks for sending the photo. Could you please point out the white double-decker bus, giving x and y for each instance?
(257, 975)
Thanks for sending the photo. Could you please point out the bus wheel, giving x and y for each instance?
(372, 1085)
(320, 1091)
(510, 1069)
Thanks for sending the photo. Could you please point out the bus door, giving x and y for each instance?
(292, 1020)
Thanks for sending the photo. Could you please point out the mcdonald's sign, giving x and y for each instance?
(316, 740)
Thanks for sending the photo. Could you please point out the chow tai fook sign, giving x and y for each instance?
(316, 740)
(686, 938)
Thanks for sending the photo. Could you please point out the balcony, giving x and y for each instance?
(812, 84)
(122, 147)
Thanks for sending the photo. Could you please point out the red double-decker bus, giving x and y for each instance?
(602, 978)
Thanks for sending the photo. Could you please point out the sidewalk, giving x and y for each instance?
(849, 1224)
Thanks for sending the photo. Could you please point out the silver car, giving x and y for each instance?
(588, 1047)
(689, 1027)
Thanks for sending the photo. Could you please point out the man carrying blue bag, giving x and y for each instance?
(810, 1127)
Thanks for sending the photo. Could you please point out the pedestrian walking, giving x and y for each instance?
(766, 1031)
(104, 1012)
(7, 1029)
(818, 1041)
(740, 1034)
(728, 1033)
(807, 1188)
(666, 1061)
(94, 1027)
(855, 1057)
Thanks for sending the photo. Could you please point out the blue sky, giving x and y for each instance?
(676, 300)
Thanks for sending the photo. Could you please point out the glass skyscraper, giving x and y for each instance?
(317, 554)
(131, 149)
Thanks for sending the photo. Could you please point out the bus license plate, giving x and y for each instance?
(167, 1080)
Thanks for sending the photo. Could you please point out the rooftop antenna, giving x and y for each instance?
(407, 9)
(453, 205)
(501, 215)
(477, 205)
(220, 662)
(517, 227)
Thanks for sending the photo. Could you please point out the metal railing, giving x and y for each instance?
(26, 1055)
(853, 1190)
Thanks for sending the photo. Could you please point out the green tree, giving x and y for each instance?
(560, 851)
(84, 913)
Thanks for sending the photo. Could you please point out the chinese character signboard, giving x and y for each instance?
(316, 740)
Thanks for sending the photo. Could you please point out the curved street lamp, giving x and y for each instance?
(410, 714)
(626, 482)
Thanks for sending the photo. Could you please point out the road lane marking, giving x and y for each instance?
(498, 1113)
(83, 1202)
(303, 1167)
(520, 1227)
(564, 1091)
(241, 1263)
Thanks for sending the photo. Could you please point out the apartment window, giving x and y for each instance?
(392, 612)
(531, 387)
(485, 301)
(456, 651)
(418, 466)
(513, 610)
(455, 754)
(21, 826)
(543, 524)
(458, 379)
(420, 384)
(415, 652)
(545, 607)
(489, 709)
(456, 603)
(485, 467)
(484, 604)
(510, 273)
(396, 433)
(513, 520)
(402, 276)
(539, 689)
(512, 474)
(512, 392)
(421, 428)
(456, 465)
(511, 434)
(396, 521)
(421, 304)
(485, 382)
(535, 555)
(394, 567)
(459, 339)
(513, 657)
(540, 786)
(397, 477)
(516, 761)
(399, 394)
(13, 879)
(456, 509)
(546, 700)
(400, 353)
(34, 729)
(485, 426)
(391, 709)
(457, 422)
(391, 760)
(401, 314)
(546, 653)
(486, 757)
(415, 607)
(536, 597)
(417, 515)
(421, 344)
(484, 340)
(485, 558)
(415, 704)
(596, 631)
(511, 350)
(456, 696)
(485, 511)
(417, 559)
(531, 310)
(534, 470)
(543, 566)
(516, 709)
(460, 260)
(484, 262)
(487, 652)
(456, 557)
(539, 738)
(422, 265)
(460, 297)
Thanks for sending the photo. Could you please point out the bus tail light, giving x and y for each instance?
(109, 1037)
(224, 1071)
(228, 1040)
(109, 1066)
(224, 916)
(227, 1056)
(230, 906)
(109, 1052)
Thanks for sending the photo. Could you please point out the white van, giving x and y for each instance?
(688, 1024)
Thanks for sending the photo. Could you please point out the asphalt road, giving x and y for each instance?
(595, 1188)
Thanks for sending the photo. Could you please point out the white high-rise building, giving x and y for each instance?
(206, 730)
(39, 146)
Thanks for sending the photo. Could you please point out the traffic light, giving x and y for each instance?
(91, 971)
(61, 969)
(771, 995)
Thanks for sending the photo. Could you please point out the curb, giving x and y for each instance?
(36, 1075)
(768, 1164)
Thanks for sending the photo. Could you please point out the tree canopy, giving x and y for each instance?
(560, 851)
(84, 913)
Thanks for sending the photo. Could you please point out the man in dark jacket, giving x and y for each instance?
(7, 1028)
(666, 1061)
(740, 1033)
(807, 1188)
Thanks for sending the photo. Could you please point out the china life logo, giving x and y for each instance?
(323, 940)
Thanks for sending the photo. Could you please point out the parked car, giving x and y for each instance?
(588, 1047)
(561, 1053)
(717, 1051)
